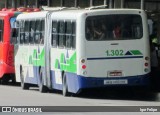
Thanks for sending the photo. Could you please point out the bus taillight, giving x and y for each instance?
(146, 64)
(84, 66)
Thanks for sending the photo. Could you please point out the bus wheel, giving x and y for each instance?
(24, 85)
(65, 87)
(42, 88)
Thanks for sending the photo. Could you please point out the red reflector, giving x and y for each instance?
(83, 66)
(146, 64)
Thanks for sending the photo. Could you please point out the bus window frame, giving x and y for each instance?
(61, 35)
(72, 34)
(55, 32)
(32, 23)
(22, 30)
(42, 32)
(22, 24)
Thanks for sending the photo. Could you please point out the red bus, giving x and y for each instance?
(7, 35)
(7, 38)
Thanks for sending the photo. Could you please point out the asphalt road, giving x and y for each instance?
(13, 95)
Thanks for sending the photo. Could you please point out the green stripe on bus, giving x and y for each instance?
(135, 52)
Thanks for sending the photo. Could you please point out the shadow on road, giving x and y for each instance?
(120, 93)
(113, 93)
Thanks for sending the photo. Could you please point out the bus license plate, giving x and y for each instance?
(116, 73)
(108, 82)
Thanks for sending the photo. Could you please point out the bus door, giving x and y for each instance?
(115, 46)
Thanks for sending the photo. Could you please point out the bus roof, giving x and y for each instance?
(9, 13)
(32, 15)
(74, 13)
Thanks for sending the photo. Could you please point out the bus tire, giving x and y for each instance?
(42, 88)
(24, 85)
(65, 87)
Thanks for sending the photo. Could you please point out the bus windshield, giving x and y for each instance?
(114, 27)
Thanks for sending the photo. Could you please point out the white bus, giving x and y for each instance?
(70, 50)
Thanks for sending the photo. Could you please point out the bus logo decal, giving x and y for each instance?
(121, 53)
(135, 52)
(37, 58)
(66, 63)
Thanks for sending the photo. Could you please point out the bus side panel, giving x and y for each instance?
(2, 59)
(17, 62)
(35, 63)
(31, 58)
(6, 50)
(6, 59)
(62, 62)
(77, 82)
(24, 60)
(21, 61)
(72, 81)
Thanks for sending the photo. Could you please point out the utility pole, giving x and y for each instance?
(37, 4)
(76, 3)
(6, 3)
(14, 4)
(25, 3)
(91, 3)
(62, 3)
(49, 3)
(105, 2)
(142, 4)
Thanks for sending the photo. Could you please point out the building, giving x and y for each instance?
(145, 4)
(151, 5)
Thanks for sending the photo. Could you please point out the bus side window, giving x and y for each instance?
(68, 34)
(62, 34)
(1, 30)
(37, 33)
(54, 33)
(32, 32)
(26, 31)
(22, 32)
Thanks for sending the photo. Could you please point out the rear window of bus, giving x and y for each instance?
(114, 27)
